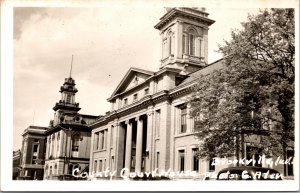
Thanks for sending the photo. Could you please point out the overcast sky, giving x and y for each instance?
(105, 41)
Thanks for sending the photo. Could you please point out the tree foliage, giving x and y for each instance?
(253, 94)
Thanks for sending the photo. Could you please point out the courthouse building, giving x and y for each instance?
(68, 136)
(149, 125)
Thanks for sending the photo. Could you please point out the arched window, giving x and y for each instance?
(55, 169)
(191, 44)
(70, 169)
(57, 144)
(46, 172)
(75, 144)
(170, 43)
(50, 172)
(68, 98)
(53, 140)
(46, 169)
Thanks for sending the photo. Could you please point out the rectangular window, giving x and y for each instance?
(96, 141)
(111, 136)
(146, 91)
(35, 148)
(68, 98)
(164, 49)
(75, 142)
(100, 166)
(125, 102)
(104, 165)
(157, 123)
(52, 145)
(95, 166)
(181, 160)
(135, 97)
(210, 166)
(194, 122)
(195, 160)
(34, 158)
(170, 45)
(200, 48)
(101, 135)
(112, 163)
(35, 152)
(157, 160)
(183, 116)
(103, 139)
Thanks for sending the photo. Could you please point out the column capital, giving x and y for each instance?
(150, 113)
(127, 122)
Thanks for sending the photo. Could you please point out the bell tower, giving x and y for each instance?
(66, 105)
(67, 101)
(184, 38)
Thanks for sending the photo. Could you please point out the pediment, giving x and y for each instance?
(133, 77)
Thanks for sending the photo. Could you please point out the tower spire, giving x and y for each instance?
(71, 66)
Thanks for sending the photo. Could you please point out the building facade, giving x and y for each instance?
(33, 153)
(68, 136)
(148, 127)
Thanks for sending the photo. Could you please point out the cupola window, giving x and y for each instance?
(68, 98)
(191, 43)
(170, 44)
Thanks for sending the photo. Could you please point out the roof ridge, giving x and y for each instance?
(208, 65)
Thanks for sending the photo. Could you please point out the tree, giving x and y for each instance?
(253, 94)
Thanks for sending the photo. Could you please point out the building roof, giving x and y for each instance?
(35, 130)
(186, 83)
(219, 64)
(128, 75)
(89, 116)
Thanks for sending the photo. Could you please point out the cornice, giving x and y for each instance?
(167, 18)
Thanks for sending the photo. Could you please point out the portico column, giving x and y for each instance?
(128, 145)
(139, 145)
(149, 158)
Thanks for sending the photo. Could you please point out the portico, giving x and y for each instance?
(135, 143)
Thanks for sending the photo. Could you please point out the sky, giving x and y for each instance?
(105, 41)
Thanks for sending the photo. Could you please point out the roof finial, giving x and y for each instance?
(71, 66)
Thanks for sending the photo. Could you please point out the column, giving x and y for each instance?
(149, 141)
(139, 145)
(202, 48)
(119, 142)
(178, 40)
(47, 148)
(128, 145)
(197, 45)
(186, 43)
